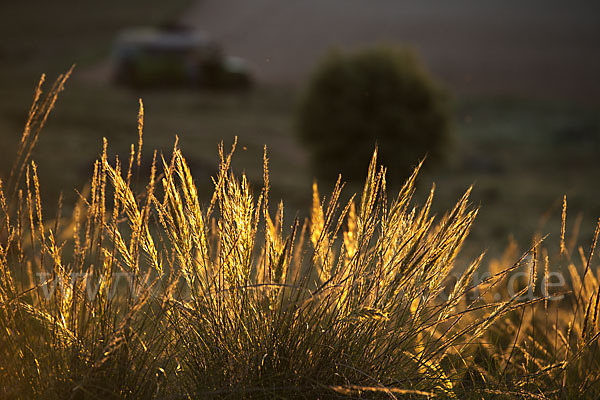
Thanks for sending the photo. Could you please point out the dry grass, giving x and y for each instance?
(152, 294)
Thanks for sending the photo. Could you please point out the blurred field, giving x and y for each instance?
(522, 154)
(543, 48)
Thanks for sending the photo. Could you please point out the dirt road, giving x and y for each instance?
(541, 48)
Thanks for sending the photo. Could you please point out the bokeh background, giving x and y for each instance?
(524, 78)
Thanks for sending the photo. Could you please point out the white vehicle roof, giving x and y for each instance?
(168, 39)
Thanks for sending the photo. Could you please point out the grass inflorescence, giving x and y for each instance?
(152, 293)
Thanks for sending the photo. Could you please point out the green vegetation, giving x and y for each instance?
(382, 96)
(151, 294)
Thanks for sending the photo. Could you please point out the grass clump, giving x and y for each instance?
(151, 294)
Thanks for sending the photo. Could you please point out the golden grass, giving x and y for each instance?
(153, 294)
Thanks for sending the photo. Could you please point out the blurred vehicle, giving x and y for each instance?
(175, 56)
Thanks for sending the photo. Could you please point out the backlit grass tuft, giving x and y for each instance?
(152, 294)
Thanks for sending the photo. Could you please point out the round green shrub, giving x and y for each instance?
(377, 96)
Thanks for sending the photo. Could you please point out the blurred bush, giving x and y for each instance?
(378, 96)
